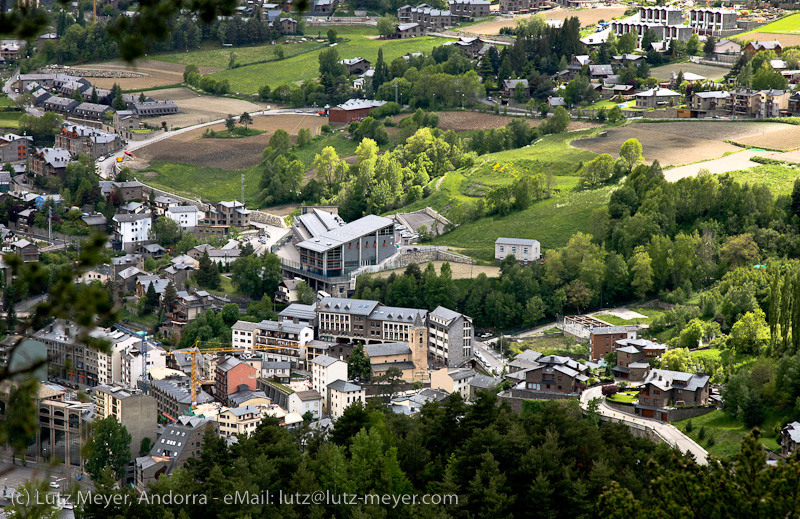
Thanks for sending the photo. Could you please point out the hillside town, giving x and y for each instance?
(514, 258)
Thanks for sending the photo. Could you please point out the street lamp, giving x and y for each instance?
(462, 101)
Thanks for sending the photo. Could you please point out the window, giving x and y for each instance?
(513, 249)
(502, 248)
(525, 250)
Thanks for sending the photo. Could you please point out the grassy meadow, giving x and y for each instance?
(360, 41)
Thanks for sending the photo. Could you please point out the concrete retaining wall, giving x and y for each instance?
(676, 415)
(88, 72)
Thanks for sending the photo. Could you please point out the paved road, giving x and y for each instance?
(667, 431)
(496, 362)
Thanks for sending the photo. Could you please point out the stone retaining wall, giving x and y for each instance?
(267, 218)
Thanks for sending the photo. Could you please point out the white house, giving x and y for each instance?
(523, 249)
(187, 216)
(242, 334)
(342, 394)
(131, 230)
(302, 402)
(325, 370)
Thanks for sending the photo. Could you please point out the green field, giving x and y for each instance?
(220, 58)
(551, 221)
(787, 25)
(10, 119)
(249, 79)
(727, 432)
(224, 184)
(779, 179)
(6, 102)
(218, 184)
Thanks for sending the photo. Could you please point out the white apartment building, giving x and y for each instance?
(341, 395)
(324, 371)
(187, 216)
(131, 229)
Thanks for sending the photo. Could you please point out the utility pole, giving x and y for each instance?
(144, 359)
(50, 223)
(242, 189)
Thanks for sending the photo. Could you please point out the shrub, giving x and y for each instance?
(689, 426)
(702, 432)
(610, 390)
(326, 128)
(710, 441)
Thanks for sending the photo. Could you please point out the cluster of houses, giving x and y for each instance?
(292, 369)
(56, 92)
(662, 393)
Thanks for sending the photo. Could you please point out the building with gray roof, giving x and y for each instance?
(174, 397)
(523, 250)
(155, 108)
(664, 389)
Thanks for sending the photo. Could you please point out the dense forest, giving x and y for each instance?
(548, 462)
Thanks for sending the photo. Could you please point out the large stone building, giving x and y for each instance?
(448, 337)
(77, 139)
(14, 148)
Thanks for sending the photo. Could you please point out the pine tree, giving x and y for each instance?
(381, 75)
(150, 299)
(170, 297)
(119, 101)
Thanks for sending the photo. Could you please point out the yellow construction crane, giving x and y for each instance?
(194, 350)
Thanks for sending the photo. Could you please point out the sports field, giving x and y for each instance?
(362, 42)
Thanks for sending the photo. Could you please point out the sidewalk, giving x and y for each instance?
(668, 432)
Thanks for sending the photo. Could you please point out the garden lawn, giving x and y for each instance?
(6, 102)
(557, 345)
(249, 79)
(650, 312)
(626, 397)
(220, 58)
(727, 432)
(10, 119)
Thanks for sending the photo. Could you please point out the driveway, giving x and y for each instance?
(667, 431)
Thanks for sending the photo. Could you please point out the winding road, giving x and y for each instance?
(668, 432)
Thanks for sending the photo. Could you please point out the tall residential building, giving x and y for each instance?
(135, 410)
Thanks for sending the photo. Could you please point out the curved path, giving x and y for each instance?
(668, 432)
